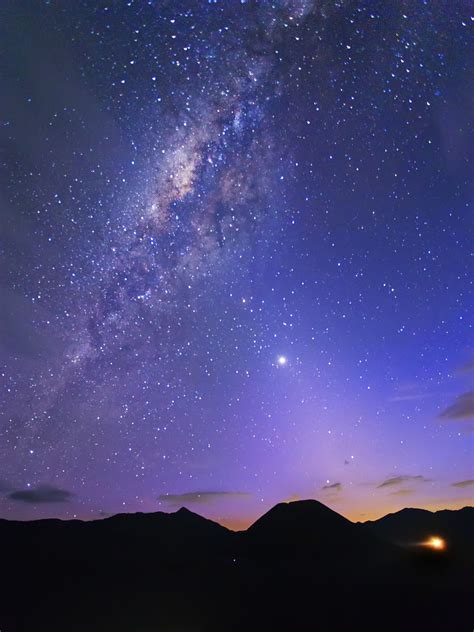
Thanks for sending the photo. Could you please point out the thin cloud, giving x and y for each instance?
(467, 483)
(462, 409)
(399, 480)
(402, 492)
(412, 391)
(335, 487)
(41, 494)
(199, 497)
(410, 395)
(467, 368)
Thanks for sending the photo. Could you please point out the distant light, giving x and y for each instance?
(282, 360)
(436, 543)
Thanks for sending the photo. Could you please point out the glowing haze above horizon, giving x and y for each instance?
(235, 243)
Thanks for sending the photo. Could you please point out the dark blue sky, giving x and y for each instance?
(236, 243)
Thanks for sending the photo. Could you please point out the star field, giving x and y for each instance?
(235, 257)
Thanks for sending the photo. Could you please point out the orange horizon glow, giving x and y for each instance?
(240, 524)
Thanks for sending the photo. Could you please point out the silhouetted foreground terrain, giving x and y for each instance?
(299, 567)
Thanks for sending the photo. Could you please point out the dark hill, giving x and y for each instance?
(305, 527)
(307, 532)
(165, 537)
(410, 527)
(303, 518)
(300, 566)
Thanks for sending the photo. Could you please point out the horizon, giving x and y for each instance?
(236, 245)
(244, 524)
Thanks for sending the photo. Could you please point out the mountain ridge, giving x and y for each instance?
(186, 511)
(179, 570)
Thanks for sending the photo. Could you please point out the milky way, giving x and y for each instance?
(235, 257)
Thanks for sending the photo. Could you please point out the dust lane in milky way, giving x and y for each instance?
(235, 268)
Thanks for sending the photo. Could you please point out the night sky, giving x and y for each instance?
(235, 256)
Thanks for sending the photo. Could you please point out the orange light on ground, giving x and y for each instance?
(436, 543)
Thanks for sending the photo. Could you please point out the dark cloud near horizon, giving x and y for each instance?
(462, 409)
(200, 497)
(336, 487)
(467, 483)
(398, 480)
(402, 492)
(41, 494)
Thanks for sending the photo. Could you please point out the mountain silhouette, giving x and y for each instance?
(134, 537)
(308, 532)
(307, 519)
(294, 568)
(415, 525)
(410, 527)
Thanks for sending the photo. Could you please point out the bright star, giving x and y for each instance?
(282, 360)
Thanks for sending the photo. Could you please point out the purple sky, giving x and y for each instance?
(235, 257)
